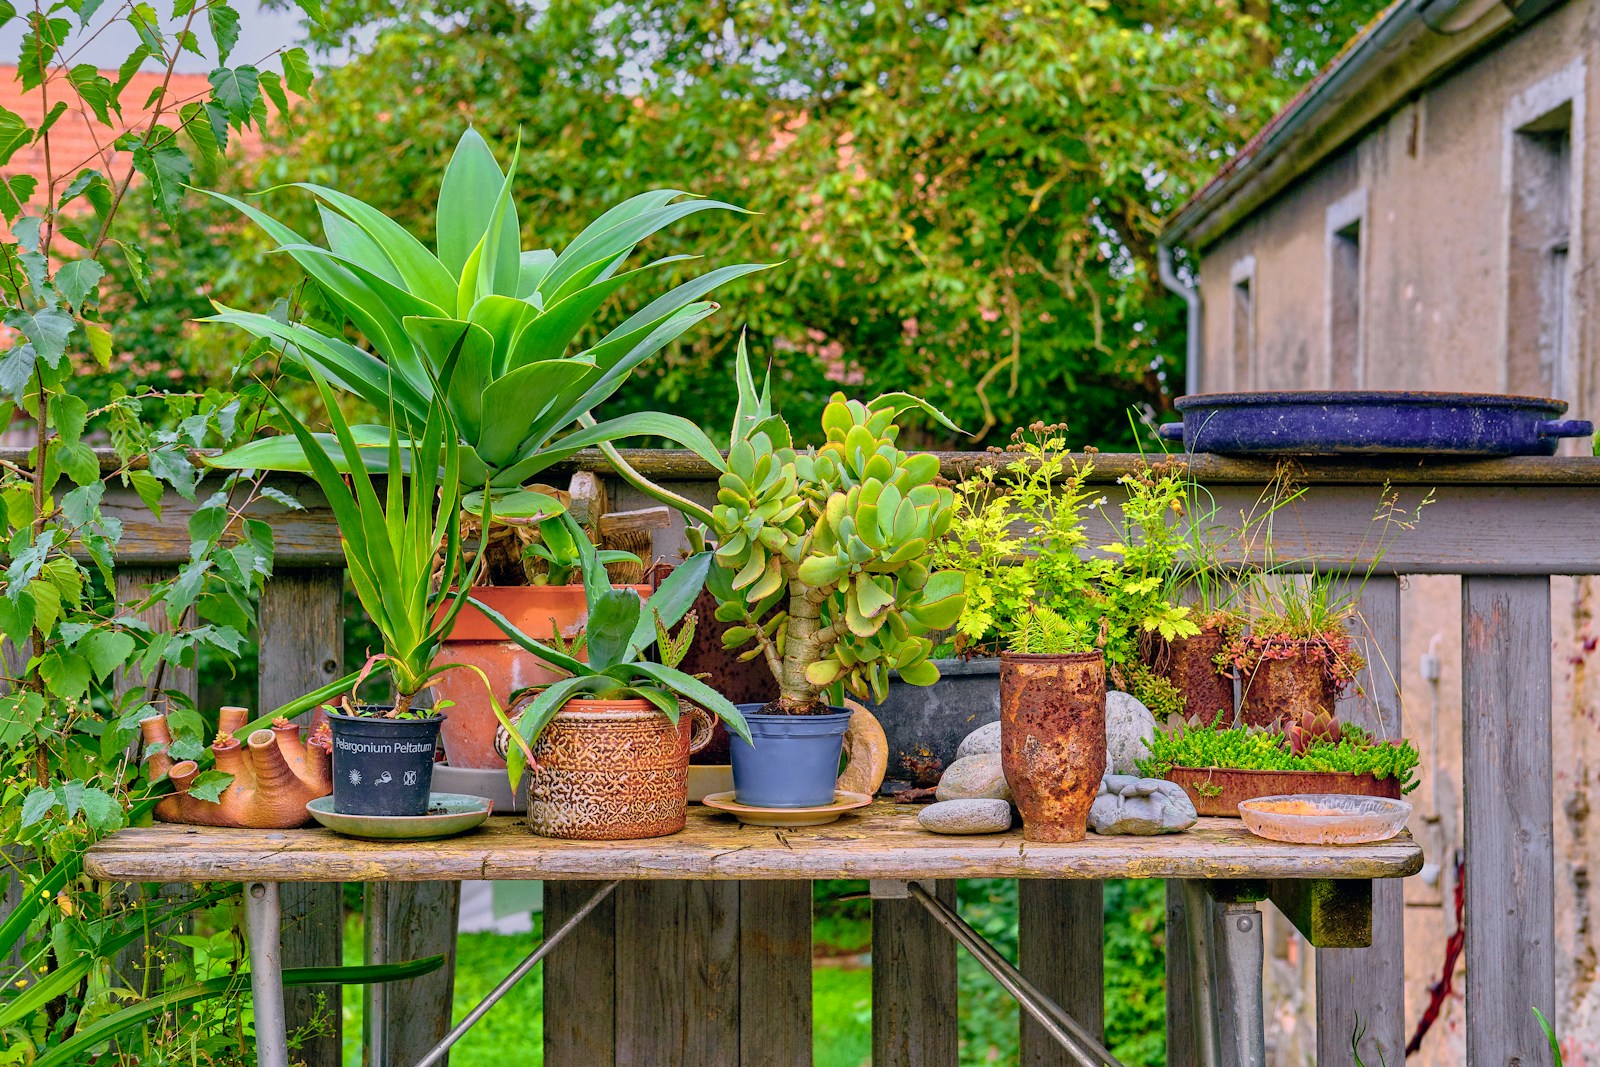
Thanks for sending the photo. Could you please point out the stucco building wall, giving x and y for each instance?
(1451, 297)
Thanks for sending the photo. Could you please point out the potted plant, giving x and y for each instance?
(1220, 765)
(383, 753)
(519, 401)
(821, 565)
(1297, 657)
(1067, 608)
(607, 745)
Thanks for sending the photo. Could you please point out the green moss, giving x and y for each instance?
(1244, 748)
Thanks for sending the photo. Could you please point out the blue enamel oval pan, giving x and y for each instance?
(1314, 423)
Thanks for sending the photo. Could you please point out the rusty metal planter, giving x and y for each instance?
(1286, 689)
(611, 770)
(1189, 663)
(1218, 791)
(1053, 739)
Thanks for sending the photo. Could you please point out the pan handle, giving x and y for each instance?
(1173, 431)
(1561, 428)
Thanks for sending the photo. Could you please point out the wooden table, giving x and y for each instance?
(1325, 890)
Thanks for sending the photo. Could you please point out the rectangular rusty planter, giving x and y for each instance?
(1216, 791)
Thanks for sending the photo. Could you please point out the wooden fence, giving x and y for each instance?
(719, 973)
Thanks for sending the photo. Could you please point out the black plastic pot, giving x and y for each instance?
(925, 726)
(794, 762)
(382, 766)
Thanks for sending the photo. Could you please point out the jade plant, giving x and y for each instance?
(1326, 746)
(522, 393)
(822, 554)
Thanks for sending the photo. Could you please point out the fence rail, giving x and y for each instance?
(707, 973)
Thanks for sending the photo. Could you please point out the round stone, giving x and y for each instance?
(1129, 729)
(985, 738)
(977, 777)
(966, 817)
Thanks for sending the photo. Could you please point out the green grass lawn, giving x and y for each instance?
(512, 1032)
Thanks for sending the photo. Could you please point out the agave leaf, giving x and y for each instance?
(618, 369)
(614, 614)
(694, 689)
(674, 428)
(670, 602)
(533, 266)
(587, 250)
(436, 338)
(421, 272)
(287, 453)
(900, 403)
(468, 199)
(517, 504)
(505, 319)
(502, 257)
(548, 336)
(679, 296)
(352, 242)
(517, 405)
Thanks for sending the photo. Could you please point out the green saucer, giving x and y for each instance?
(448, 814)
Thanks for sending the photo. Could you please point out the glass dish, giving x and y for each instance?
(1324, 818)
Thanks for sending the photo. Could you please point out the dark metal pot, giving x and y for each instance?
(1336, 423)
(1053, 739)
(925, 725)
(1189, 663)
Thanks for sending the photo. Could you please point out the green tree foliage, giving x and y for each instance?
(967, 202)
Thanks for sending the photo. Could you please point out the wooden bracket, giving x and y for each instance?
(1331, 913)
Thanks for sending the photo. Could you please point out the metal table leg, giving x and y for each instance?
(1198, 908)
(263, 920)
(1240, 1019)
(375, 1010)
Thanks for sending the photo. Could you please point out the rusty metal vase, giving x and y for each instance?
(1053, 739)
(612, 770)
(1278, 689)
(1190, 665)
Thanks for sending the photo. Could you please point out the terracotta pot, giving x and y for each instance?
(612, 769)
(1053, 739)
(1190, 665)
(1215, 791)
(1280, 688)
(541, 612)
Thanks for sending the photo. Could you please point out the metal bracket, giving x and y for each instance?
(893, 888)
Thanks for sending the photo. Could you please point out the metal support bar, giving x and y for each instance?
(550, 941)
(263, 918)
(375, 951)
(1198, 908)
(1061, 1026)
(1239, 939)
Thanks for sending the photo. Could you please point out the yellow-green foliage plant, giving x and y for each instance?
(822, 557)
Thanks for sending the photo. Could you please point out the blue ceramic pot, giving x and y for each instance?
(794, 762)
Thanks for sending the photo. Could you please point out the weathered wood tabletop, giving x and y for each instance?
(882, 841)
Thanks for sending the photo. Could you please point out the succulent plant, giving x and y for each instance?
(822, 552)
(1311, 727)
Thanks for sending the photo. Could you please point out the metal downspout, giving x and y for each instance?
(1191, 297)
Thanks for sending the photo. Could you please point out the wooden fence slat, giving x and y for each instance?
(913, 985)
(302, 641)
(1363, 989)
(1061, 949)
(1507, 768)
(419, 919)
(775, 1012)
(1183, 1033)
(580, 1028)
(709, 950)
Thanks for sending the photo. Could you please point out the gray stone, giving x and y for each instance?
(974, 778)
(985, 738)
(966, 817)
(1127, 804)
(1129, 729)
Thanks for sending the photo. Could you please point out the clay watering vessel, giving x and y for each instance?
(1053, 739)
(275, 774)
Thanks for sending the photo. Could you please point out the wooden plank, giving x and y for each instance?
(302, 642)
(132, 586)
(913, 985)
(419, 919)
(1061, 949)
(677, 973)
(1507, 767)
(882, 841)
(1183, 1034)
(775, 973)
(579, 980)
(1363, 989)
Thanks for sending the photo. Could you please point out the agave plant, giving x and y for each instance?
(514, 314)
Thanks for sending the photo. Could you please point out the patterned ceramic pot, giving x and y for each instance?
(613, 769)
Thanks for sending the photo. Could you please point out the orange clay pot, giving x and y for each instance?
(275, 774)
(539, 611)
